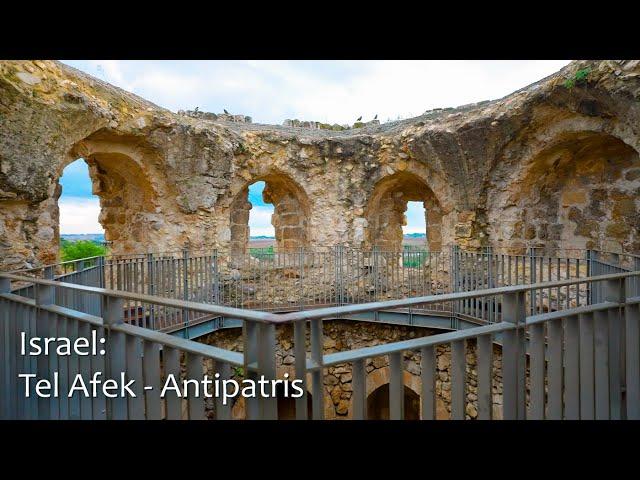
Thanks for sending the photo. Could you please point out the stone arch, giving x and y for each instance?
(378, 404)
(290, 218)
(378, 378)
(128, 197)
(287, 405)
(579, 190)
(122, 177)
(385, 212)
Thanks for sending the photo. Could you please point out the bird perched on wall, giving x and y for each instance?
(225, 111)
(376, 117)
(359, 118)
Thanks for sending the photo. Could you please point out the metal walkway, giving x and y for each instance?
(570, 346)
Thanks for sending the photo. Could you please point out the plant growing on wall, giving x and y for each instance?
(579, 77)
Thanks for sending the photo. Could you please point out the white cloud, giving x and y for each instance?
(328, 91)
(260, 221)
(415, 218)
(79, 215)
(112, 71)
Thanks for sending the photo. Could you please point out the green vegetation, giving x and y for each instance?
(414, 256)
(579, 77)
(80, 249)
(262, 253)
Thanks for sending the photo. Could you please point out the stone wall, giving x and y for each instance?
(546, 164)
(342, 335)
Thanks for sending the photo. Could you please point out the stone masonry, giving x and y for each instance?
(347, 335)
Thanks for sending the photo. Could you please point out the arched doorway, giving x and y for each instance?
(287, 405)
(289, 219)
(81, 234)
(386, 209)
(127, 200)
(378, 404)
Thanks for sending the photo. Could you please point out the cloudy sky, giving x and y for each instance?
(272, 91)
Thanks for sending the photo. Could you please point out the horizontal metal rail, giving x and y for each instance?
(268, 317)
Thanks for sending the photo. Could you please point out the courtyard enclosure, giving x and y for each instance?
(522, 302)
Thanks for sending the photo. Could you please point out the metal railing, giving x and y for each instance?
(580, 362)
(261, 280)
(486, 269)
(308, 279)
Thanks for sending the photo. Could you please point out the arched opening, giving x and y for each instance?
(378, 404)
(414, 230)
(582, 191)
(287, 404)
(79, 208)
(114, 186)
(289, 218)
(386, 216)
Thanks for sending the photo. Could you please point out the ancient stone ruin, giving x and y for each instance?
(553, 164)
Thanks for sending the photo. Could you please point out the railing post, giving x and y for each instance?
(44, 295)
(513, 356)
(376, 273)
(150, 275)
(78, 297)
(396, 386)
(250, 350)
(589, 261)
(317, 358)
(113, 311)
(596, 269)
(636, 279)
(259, 360)
(632, 338)
(614, 291)
(151, 288)
(454, 278)
(490, 303)
(101, 272)
(185, 289)
(300, 355)
(301, 260)
(267, 368)
(5, 285)
(532, 279)
(339, 277)
(216, 280)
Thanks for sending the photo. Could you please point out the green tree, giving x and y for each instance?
(80, 249)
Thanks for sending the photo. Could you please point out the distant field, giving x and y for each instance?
(268, 242)
(262, 242)
(421, 241)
